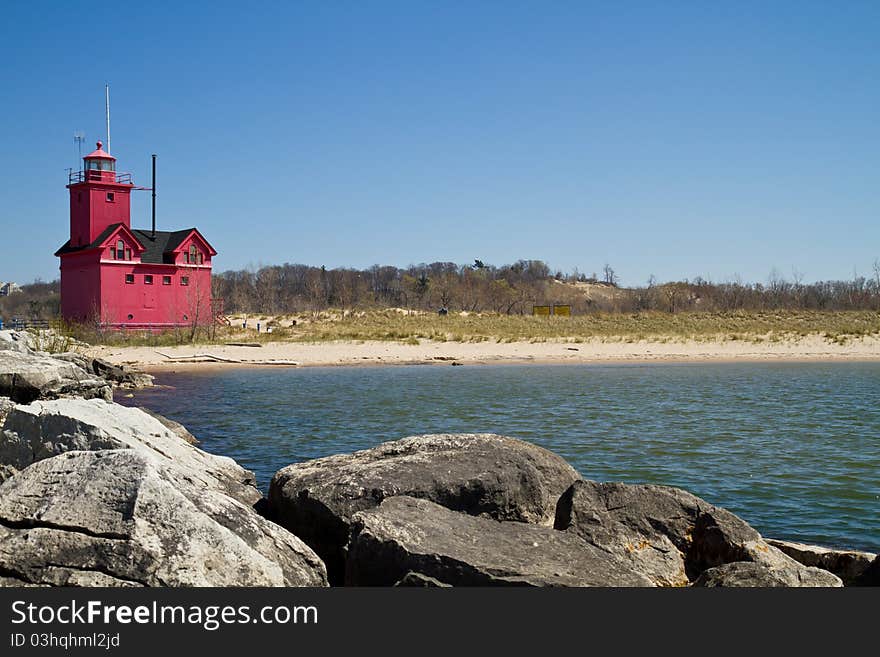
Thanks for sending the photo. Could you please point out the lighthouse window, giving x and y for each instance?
(148, 279)
(166, 280)
(128, 254)
(120, 250)
(129, 279)
(184, 280)
(111, 197)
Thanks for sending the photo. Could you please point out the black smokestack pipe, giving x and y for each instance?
(154, 196)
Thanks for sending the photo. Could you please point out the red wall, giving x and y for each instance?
(79, 286)
(91, 212)
(155, 305)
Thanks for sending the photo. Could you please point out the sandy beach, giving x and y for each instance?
(351, 353)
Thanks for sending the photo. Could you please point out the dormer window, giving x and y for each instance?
(120, 250)
(191, 256)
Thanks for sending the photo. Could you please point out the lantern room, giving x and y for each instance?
(99, 165)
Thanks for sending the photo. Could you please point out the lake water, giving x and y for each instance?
(792, 448)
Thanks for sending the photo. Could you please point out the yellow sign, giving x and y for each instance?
(546, 311)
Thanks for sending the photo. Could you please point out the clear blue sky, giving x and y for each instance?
(679, 139)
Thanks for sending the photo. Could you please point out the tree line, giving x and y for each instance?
(516, 288)
(480, 287)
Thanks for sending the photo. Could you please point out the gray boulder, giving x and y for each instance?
(848, 565)
(119, 375)
(176, 427)
(19, 341)
(26, 377)
(666, 533)
(47, 428)
(118, 518)
(871, 575)
(478, 474)
(405, 539)
(751, 574)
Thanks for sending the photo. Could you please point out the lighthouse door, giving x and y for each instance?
(149, 299)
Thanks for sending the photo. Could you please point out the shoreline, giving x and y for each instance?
(810, 349)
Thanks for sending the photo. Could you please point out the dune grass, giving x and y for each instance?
(413, 328)
(753, 326)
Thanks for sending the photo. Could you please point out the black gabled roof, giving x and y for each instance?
(157, 247)
(95, 244)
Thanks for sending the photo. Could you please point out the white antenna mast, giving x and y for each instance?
(78, 138)
(107, 108)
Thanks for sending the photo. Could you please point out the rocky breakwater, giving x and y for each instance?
(96, 494)
(28, 374)
(458, 510)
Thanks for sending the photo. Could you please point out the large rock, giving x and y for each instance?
(751, 574)
(848, 565)
(19, 341)
(119, 375)
(46, 428)
(118, 518)
(25, 377)
(871, 575)
(406, 539)
(666, 533)
(478, 474)
(176, 427)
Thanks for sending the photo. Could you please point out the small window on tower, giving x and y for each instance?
(184, 280)
(166, 280)
(129, 279)
(111, 197)
(148, 279)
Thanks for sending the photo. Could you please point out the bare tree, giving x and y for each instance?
(609, 274)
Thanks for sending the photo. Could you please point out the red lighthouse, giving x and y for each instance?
(123, 277)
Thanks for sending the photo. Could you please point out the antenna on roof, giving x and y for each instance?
(78, 138)
(107, 112)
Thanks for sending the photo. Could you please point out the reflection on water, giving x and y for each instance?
(793, 448)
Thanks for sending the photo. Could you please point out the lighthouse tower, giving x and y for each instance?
(117, 276)
(98, 197)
